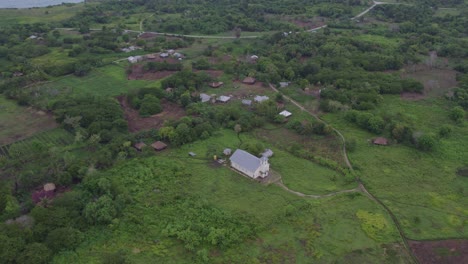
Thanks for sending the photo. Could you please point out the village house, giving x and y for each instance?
(164, 55)
(205, 98)
(139, 146)
(250, 165)
(284, 84)
(134, 59)
(261, 98)
(223, 99)
(247, 102)
(249, 80)
(285, 113)
(159, 145)
(151, 56)
(215, 84)
(380, 141)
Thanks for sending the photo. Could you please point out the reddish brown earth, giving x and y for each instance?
(441, 252)
(138, 73)
(243, 91)
(171, 111)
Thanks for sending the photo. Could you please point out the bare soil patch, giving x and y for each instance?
(437, 82)
(138, 73)
(441, 252)
(243, 91)
(136, 123)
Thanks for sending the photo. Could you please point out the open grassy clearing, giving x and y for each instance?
(437, 82)
(298, 174)
(54, 137)
(37, 15)
(422, 189)
(290, 229)
(18, 122)
(106, 81)
(381, 41)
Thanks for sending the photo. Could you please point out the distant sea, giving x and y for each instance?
(33, 3)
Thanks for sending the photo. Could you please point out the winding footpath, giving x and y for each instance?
(361, 188)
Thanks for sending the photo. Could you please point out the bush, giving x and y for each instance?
(457, 114)
(426, 142)
(150, 105)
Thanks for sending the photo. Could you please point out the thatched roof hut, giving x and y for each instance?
(159, 145)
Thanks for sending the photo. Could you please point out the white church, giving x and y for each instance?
(250, 165)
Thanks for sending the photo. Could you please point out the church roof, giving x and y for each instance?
(245, 160)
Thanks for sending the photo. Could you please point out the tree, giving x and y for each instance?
(237, 32)
(167, 132)
(36, 253)
(100, 212)
(65, 238)
(426, 142)
(10, 248)
(238, 128)
(150, 105)
(457, 114)
(183, 134)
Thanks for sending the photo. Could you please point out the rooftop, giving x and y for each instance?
(245, 159)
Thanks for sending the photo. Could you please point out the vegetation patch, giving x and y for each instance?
(17, 122)
(374, 224)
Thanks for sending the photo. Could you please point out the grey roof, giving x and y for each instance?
(267, 153)
(227, 151)
(284, 84)
(192, 154)
(245, 159)
(246, 102)
(285, 113)
(224, 98)
(261, 98)
(204, 97)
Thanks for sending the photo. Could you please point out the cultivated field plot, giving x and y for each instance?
(18, 122)
(110, 80)
(36, 15)
(54, 137)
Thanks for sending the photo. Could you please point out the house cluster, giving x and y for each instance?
(249, 164)
(167, 54)
(249, 80)
(158, 146)
(130, 49)
(135, 59)
(171, 53)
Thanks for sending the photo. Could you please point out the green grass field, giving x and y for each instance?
(37, 15)
(18, 122)
(422, 189)
(106, 81)
(291, 229)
